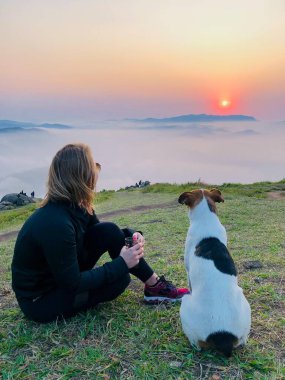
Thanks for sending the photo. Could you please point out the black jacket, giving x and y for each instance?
(48, 251)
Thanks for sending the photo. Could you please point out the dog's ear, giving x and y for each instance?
(183, 197)
(216, 195)
(190, 198)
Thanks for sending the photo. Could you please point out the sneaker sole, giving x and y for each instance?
(161, 299)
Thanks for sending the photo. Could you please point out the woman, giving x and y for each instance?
(53, 274)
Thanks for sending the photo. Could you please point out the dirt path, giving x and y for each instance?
(8, 235)
(275, 195)
(104, 216)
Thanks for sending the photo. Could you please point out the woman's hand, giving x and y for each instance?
(132, 255)
(138, 238)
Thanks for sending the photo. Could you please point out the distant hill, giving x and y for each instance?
(55, 126)
(17, 129)
(17, 126)
(197, 118)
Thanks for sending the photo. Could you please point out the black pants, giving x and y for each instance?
(100, 238)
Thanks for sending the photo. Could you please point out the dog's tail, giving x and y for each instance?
(223, 341)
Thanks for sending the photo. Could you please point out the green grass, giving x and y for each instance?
(258, 189)
(126, 339)
(11, 219)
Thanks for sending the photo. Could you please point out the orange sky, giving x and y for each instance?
(122, 58)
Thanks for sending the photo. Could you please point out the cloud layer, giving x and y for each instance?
(128, 152)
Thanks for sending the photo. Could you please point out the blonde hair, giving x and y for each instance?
(72, 176)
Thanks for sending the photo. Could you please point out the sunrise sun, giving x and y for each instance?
(225, 103)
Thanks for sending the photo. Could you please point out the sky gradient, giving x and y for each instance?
(79, 61)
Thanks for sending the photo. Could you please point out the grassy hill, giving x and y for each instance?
(126, 339)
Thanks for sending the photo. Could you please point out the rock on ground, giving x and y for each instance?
(13, 200)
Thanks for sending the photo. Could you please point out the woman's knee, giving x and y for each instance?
(106, 228)
(104, 231)
(105, 236)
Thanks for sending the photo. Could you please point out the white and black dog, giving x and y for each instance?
(217, 313)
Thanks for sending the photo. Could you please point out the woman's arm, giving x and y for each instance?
(60, 251)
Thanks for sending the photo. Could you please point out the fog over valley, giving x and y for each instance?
(129, 151)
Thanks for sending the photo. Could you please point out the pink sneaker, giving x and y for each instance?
(163, 291)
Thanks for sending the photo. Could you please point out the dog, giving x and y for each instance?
(216, 314)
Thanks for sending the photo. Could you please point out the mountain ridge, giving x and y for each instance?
(12, 125)
(197, 118)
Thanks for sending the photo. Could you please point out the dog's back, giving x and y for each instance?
(208, 263)
(216, 314)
